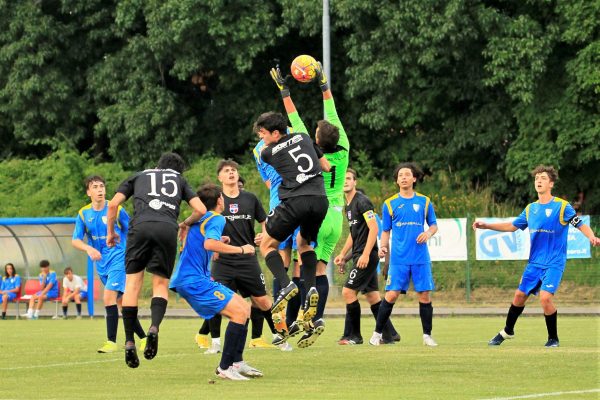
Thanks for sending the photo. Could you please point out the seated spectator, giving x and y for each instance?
(49, 290)
(9, 287)
(74, 289)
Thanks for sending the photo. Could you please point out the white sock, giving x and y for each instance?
(29, 312)
(216, 341)
(36, 313)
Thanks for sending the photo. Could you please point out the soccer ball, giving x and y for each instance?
(304, 68)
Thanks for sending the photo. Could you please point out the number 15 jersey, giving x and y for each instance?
(296, 159)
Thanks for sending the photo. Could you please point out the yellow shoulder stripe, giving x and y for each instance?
(527, 212)
(203, 224)
(388, 204)
(563, 205)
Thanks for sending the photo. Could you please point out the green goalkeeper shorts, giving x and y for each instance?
(329, 234)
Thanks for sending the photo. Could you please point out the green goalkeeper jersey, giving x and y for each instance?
(339, 158)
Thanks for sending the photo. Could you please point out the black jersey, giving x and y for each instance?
(359, 211)
(240, 213)
(157, 194)
(296, 159)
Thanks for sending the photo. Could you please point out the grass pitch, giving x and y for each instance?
(48, 359)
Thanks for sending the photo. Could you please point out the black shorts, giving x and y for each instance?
(306, 212)
(245, 277)
(151, 246)
(364, 280)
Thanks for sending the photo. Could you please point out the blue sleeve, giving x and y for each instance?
(521, 221)
(431, 219)
(79, 231)
(17, 282)
(386, 219)
(2, 284)
(123, 219)
(569, 216)
(52, 279)
(214, 228)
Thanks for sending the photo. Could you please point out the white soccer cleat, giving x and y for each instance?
(376, 339)
(230, 373)
(285, 346)
(244, 369)
(214, 348)
(428, 341)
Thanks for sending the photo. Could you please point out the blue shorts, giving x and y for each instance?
(290, 242)
(400, 275)
(50, 295)
(207, 298)
(11, 296)
(535, 279)
(113, 279)
(83, 295)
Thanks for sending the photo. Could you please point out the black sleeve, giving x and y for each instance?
(259, 211)
(365, 205)
(187, 193)
(265, 154)
(127, 186)
(317, 150)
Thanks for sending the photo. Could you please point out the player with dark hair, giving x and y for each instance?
(10, 286)
(362, 240)
(300, 163)
(548, 221)
(91, 222)
(49, 290)
(151, 241)
(405, 215)
(332, 139)
(208, 298)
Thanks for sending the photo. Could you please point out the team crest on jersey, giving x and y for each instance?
(104, 219)
(349, 214)
(234, 208)
(548, 212)
(416, 207)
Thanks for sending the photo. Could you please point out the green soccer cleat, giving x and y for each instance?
(108, 347)
(142, 345)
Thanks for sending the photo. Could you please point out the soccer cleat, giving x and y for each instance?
(260, 343)
(395, 337)
(201, 341)
(214, 348)
(230, 373)
(279, 338)
(244, 369)
(142, 345)
(499, 338)
(552, 343)
(131, 357)
(428, 341)
(151, 348)
(108, 347)
(351, 340)
(280, 325)
(285, 346)
(283, 297)
(77, 317)
(294, 329)
(375, 339)
(312, 334)
(310, 305)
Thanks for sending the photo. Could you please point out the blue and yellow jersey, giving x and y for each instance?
(193, 265)
(406, 219)
(267, 173)
(10, 283)
(92, 223)
(45, 280)
(548, 229)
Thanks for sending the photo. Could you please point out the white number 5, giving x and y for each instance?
(298, 157)
(165, 182)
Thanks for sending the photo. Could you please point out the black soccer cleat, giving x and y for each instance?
(552, 343)
(131, 357)
(151, 346)
(310, 305)
(311, 335)
(283, 297)
(294, 329)
(499, 338)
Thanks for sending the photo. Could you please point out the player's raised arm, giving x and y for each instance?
(496, 226)
(290, 108)
(331, 114)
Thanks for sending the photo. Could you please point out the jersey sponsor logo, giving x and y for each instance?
(98, 237)
(416, 207)
(287, 143)
(301, 178)
(353, 222)
(234, 208)
(235, 217)
(548, 212)
(157, 204)
(104, 219)
(408, 223)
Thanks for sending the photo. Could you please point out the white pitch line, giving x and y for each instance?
(535, 396)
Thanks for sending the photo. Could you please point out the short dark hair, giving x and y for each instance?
(44, 264)
(6, 270)
(68, 269)
(416, 171)
(353, 172)
(92, 178)
(329, 135)
(271, 121)
(227, 163)
(549, 169)
(171, 161)
(209, 193)
(241, 180)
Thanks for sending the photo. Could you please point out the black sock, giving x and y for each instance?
(112, 322)
(353, 312)
(276, 286)
(215, 326)
(258, 320)
(294, 304)
(241, 343)
(233, 335)
(269, 318)
(138, 330)
(426, 313)
(323, 289)
(275, 264)
(78, 307)
(3, 314)
(511, 318)
(347, 326)
(309, 267)
(551, 325)
(158, 308)
(383, 316)
(65, 310)
(204, 329)
(129, 317)
(388, 329)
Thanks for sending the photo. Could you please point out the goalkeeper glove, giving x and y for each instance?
(321, 78)
(280, 82)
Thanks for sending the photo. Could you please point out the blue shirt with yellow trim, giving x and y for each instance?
(194, 261)
(92, 223)
(548, 230)
(49, 279)
(267, 173)
(10, 283)
(406, 219)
